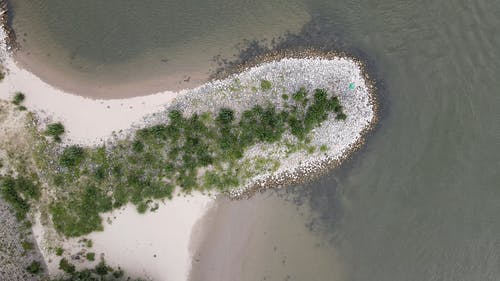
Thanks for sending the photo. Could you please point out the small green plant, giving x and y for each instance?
(323, 148)
(102, 268)
(284, 97)
(341, 116)
(18, 98)
(34, 267)
(18, 192)
(59, 251)
(55, 130)
(265, 85)
(90, 256)
(72, 156)
(66, 266)
(27, 246)
(89, 243)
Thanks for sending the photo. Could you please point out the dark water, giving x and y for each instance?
(99, 44)
(422, 200)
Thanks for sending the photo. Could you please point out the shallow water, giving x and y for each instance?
(421, 200)
(159, 44)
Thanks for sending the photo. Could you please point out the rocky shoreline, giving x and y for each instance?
(311, 69)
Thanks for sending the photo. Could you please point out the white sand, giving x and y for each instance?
(87, 121)
(132, 240)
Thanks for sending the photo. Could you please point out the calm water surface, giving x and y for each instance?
(161, 44)
(422, 200)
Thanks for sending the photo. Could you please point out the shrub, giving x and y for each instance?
(341, 116)
(27, 246)
(300, 95)
(161, 157)
(72, 156)
(34, 267)
(59, 251)
(18, 98)
(90, 256)
(102, 268)
(55, 130)
(66, 266)
(265, 85)
(17, 192)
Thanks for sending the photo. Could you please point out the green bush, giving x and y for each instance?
(72, 156)
(55, 130)
(59, 251)
(66, 266)
(265, 85)
(27, 246)
(18, 98)
(90, 256)
(177, 153)
(34, 267)
(17, 192)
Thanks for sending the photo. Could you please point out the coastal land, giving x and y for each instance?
(303, 115)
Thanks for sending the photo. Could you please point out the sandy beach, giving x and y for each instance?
(182, 76)
(132, 240)
(160, 245)
(155, 245)
(94, 120)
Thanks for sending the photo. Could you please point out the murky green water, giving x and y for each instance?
(422, 200)
(163, 44)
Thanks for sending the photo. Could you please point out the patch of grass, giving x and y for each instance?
(27, 246)
(34, 267)
(265, 85)
(66, 266)
(55, 130)
(18, 192)
(18, 98)
(89, 243)
(90, 256)
(72, 156)
(59, 251)
(196, 152)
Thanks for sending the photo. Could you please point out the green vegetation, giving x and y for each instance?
(198, 152)
(55, 130)
(34, 267)
(88, 243)
(18, 98)
(59, 251)
(265, 85)
(323, 148)
(101, 272)
(18, 192)
(66, 266)
(27, 246)
(163, 156)
(72, 156)
(90, 256)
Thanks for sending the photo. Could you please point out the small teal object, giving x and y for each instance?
(351, 86)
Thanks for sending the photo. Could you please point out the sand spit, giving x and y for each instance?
(156, 245)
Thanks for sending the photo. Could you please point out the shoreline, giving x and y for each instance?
(110, 118)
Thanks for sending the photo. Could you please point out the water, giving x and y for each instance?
(421, 201)
(97, 45)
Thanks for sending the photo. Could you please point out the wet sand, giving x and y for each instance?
(262, 238)
(186, 76)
